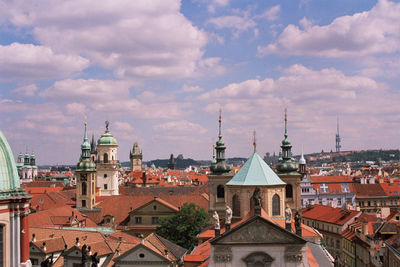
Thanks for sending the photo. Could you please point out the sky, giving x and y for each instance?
(160, 70)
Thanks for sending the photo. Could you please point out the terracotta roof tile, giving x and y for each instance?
(329, 214)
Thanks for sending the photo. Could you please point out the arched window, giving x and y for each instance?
(289, 191)
(105, 175)
(220, 191)
(236, 206)
(105, 157)
(276, 205)
(84, 188)
(93, 158)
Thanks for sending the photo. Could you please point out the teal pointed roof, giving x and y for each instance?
(9, 179)
(256, 172)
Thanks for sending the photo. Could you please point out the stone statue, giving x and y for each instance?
(107, 124)
(84, 255)
(228, 215)
(216, 221)
(95, 260)
(257, 197)
(288, 215)
(297, 220)
(48, 262)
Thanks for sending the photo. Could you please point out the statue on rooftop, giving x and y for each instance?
(257, 197)
(228, 215)
(216, 221)
(288, 215)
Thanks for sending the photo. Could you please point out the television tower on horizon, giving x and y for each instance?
(338, 146)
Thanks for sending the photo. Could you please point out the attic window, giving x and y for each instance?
(141, 255)
(154, 207)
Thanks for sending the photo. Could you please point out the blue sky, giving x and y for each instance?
(159, 71)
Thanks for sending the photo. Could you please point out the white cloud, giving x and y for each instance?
(216, 3)
(370, 32)
(192, 88)
(179, 128)
(237, 22)
(28, 61)
(87, 90)
(270, 14)
(26, 90)
(137, 39)
(75, 108)
(123, 126)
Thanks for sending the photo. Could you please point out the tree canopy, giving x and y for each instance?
(183, 227)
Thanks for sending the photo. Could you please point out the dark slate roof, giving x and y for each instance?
(176, 250)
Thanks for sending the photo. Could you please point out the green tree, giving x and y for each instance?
(183, 227)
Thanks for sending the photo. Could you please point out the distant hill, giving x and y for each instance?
(357, 156)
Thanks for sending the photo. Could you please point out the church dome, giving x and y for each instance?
(9, 179)
(106, 139)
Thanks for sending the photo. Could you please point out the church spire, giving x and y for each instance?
(85, 163)
(220, 166)
(286, 162)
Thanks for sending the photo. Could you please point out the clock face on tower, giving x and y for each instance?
(83, 177)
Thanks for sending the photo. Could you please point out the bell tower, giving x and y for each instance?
(86, 177)
(220, 175)
(287, 171)
(136, 158)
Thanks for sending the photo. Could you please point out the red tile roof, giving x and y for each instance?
(368, 190)
(329, 214)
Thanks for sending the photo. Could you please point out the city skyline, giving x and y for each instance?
(159, 72)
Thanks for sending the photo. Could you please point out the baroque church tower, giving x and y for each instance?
(86, 177)
(287, 171)
(220, 175)
(107, 164)
(136, 158)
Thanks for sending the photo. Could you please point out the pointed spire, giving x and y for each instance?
(220, 121)
(286, 135)
(220, 166)
(85, 138)
(286, 162)
(254, 141)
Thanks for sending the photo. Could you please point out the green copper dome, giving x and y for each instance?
(86, 165)
(107, 139)
(9, 179)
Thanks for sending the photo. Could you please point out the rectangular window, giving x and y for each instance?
(138, 220)
(83, 203)
(154, 220)
(338, 244)
(105, 186)
(324, 188)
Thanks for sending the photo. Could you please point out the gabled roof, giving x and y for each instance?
(255, 172)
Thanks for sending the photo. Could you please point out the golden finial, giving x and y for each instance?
(285, 114)
(85, 121)
(254, 140)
